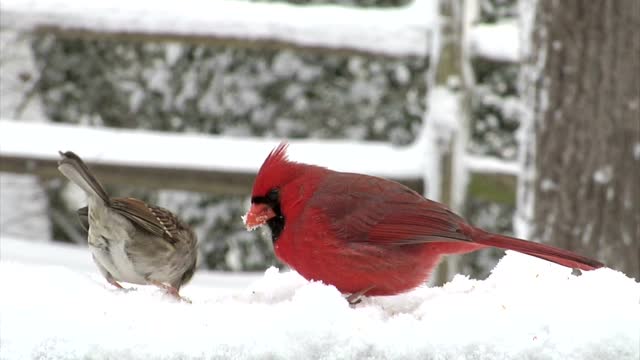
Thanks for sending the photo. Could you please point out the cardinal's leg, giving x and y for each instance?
(356, 297)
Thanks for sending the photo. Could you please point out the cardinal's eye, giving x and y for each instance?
(273, 194)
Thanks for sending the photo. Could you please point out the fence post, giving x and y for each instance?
(448, 111)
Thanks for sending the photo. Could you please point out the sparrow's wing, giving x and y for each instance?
(153, 219)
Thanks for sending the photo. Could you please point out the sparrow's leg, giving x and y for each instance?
(114, 283)
(170, 290)
(356, 297)
(111, 280)
(107, 275)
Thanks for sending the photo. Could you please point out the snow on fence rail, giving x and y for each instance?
(397, 32)
(205, 163)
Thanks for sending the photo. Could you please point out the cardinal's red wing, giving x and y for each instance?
(369, 209)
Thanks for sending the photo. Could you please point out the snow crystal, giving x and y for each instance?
(548, 185)
(401, 74)
(611, 192)
(173, 52)
(603, 175)
(444, 110)
(59, 306)
(587, 232)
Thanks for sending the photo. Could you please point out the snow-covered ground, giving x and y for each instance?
(55, 305)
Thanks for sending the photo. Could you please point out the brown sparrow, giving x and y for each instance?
(130, 240)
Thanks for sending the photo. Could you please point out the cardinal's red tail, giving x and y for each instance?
(547, 252)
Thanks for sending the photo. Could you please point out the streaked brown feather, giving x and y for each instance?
(154, 219)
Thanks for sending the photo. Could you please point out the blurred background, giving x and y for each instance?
(310, 84)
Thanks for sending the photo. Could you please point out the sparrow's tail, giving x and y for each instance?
(78, 173)
(547, 252)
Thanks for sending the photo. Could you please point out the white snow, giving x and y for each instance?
(444, 123)
(499, 41)
(603, 175)
(548, 185)
(532, 98)
(158, 149)
(491, 165)
(439, 127)
(397, 31)
(23, 207)
(18, 74)
(23, 202)
(55, 305)
(78, 259)
(444, 110)
(392, 31)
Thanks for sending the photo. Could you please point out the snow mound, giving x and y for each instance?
(527, 308)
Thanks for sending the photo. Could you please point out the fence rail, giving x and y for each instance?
(395, 32)
(204, 163)
(401, 32)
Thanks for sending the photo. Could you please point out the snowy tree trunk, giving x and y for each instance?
(581, 142)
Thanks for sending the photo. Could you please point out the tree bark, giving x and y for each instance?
(581, 184)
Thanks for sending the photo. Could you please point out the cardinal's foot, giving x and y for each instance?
(356, 297)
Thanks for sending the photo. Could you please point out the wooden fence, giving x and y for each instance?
(396, 33)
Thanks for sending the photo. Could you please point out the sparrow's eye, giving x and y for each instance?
(273, 194)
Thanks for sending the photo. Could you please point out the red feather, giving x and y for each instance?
(364, 233)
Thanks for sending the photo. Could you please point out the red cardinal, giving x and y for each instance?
(364, 234)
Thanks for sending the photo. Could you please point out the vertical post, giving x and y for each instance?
(447, 116)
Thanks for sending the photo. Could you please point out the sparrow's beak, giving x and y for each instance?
(258, 215)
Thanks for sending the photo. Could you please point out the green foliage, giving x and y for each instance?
(234, 91)
(496, 189)
(495, 109)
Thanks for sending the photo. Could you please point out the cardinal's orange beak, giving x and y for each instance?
(257, 216)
